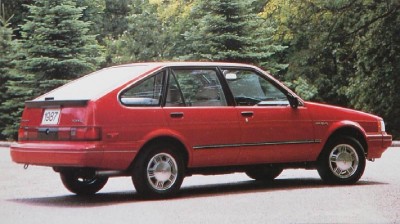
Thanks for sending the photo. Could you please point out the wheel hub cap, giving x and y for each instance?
(343, 161)
(162, 171)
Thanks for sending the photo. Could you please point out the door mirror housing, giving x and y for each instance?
(293, 101)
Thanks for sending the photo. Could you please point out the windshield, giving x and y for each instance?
(96, 84)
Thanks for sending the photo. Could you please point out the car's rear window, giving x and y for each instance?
(96, 84)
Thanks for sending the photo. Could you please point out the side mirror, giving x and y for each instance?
(293, 101)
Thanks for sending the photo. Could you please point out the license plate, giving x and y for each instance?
(51, 116)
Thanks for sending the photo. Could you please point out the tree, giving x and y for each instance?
(20, 88)
(17, 13)
(227, 30)
(142, 40)
(115, 17)
(316, 45)
(375, 86)
(56, 47)
(57, 44)
(7, 52)
(93, 13)
(153, 34)
(347, 50)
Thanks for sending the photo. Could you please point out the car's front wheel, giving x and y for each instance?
(159, 171)
(82, 182)
(342, 161)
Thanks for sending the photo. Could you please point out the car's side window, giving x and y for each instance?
(146, 93)
(174, 96)
(194, 87)
(249, 88)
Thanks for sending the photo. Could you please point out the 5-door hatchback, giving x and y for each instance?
(160, 122)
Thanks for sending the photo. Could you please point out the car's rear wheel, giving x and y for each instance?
(342, 161)
(159, 171)
(264, 173)
(82, 182)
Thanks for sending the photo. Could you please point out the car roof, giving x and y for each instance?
(184, 64)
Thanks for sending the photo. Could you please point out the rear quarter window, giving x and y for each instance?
(146, 93)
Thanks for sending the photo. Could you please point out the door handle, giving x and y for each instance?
(176, 114)
(247, 113)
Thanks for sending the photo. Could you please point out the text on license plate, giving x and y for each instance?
(51, 116)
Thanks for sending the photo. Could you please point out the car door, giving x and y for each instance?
(196, 109)
(272, 131)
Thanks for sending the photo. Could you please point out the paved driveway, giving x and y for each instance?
(36, 195)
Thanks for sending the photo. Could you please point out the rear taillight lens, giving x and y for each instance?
(25, 133)
(86, 133)
(59, 134)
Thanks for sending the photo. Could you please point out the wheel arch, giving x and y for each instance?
(180, 147)
(351, 131)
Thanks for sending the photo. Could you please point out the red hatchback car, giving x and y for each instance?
(160, 122)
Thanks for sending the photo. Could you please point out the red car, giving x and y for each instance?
(160, 122)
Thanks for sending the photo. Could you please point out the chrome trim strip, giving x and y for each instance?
(216, 146)
(315, 141)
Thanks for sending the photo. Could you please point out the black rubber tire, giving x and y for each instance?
(79, 182)
(264, 173)
(327, 164)
(168, 154)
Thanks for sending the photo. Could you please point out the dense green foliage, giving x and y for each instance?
(56, 47)
(375, 85)
(347, 51)
(145, 36)
(7, 47)
(230, 30)
(344, 52)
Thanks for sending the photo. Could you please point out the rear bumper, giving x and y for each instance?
(48, 154)
(377, 144)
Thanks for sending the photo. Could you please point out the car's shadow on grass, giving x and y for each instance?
(188, 192)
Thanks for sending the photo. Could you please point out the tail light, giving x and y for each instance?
(86, 133)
